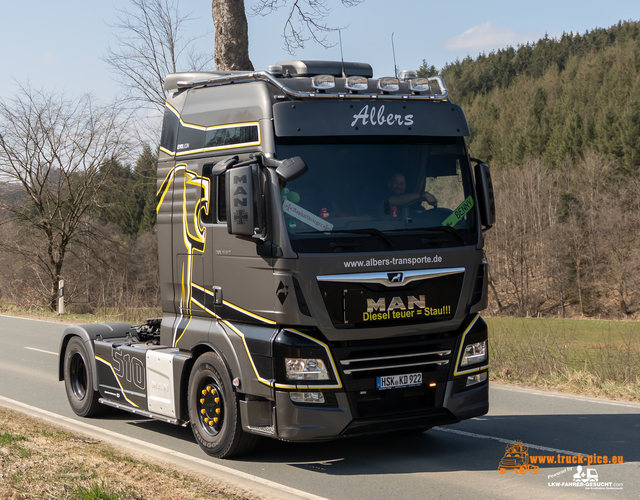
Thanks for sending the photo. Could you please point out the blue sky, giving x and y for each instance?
(59, 45)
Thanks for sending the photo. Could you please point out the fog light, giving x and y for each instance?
(357, 83)
(323, 82)
(306, 369)
(388, 84)
(306, 397)
(476, 379)
(474, 353)
(419, 85)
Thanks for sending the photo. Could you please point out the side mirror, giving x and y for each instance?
(486, 200)
(239, 197)
(291, 169)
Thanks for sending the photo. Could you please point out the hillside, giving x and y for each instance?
(554, 99)
(559, 123)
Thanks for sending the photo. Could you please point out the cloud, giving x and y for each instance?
(486, 37)
(48, 59)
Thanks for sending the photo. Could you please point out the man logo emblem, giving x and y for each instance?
(395, 277)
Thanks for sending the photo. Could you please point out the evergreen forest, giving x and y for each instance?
(558, 121)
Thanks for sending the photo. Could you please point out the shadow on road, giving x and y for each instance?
(437, 451)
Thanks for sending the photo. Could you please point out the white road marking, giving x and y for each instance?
(34, 319)
(41, 350)
(318, 462)
(609, 402)
(507, 441)
(55, 418)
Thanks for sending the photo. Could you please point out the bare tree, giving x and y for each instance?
(306, 20)
(232, 35)
(151, 44)
(53, 152)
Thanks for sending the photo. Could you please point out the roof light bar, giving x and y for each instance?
(323, 82)
(357, 83)
(180, 81)
(389, 84)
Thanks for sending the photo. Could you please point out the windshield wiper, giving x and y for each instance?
(369, 230)
(445, 229)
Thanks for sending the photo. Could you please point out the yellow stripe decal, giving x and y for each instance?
(213, 127)
(204, 308)
(244, 342)
(464, 335)
(326, 347)
(183, 331)
(248, 313)
(117, 380)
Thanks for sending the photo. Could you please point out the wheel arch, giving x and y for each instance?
(230, 362)
(89, 333)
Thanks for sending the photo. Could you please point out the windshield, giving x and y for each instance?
(373, 195)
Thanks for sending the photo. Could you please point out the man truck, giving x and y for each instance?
(321, 263)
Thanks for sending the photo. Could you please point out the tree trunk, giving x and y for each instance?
(232, 37)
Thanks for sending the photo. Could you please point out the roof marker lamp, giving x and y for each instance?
(306, 369)
(323, 82)
(356, 83)
(474, 353)
(388, 84)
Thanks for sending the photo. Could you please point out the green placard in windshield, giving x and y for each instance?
(459, 212)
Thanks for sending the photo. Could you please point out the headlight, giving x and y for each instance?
(306, 369)
(474, 353)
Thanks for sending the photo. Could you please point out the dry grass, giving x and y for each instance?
(39, 461)
(600, 359)
(127, 315)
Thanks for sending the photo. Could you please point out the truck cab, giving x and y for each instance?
(321, 263)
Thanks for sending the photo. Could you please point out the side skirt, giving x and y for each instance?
(143, 413)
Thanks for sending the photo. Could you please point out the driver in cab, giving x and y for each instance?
(398, 185)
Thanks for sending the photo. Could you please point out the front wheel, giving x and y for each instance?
(214, 411)
(78, 380)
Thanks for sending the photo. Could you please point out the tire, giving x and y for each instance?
(78, 380)
(214, 410)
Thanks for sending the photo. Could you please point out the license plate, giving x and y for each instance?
(398, 381)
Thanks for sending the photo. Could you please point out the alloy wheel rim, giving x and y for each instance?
(210, 406)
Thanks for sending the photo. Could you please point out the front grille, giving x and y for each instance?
(361, 362)
(382, 363)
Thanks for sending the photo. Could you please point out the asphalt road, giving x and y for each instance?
(457, 461)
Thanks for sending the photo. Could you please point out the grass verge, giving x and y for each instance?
(588, 357)
(37, 460)
(131, 315)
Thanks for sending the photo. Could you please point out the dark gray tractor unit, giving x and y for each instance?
(321, 263)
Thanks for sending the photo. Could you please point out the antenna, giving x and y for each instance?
(393, 49)
(341, 55)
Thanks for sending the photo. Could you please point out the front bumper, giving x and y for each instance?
(355, 405)
(305, 423)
